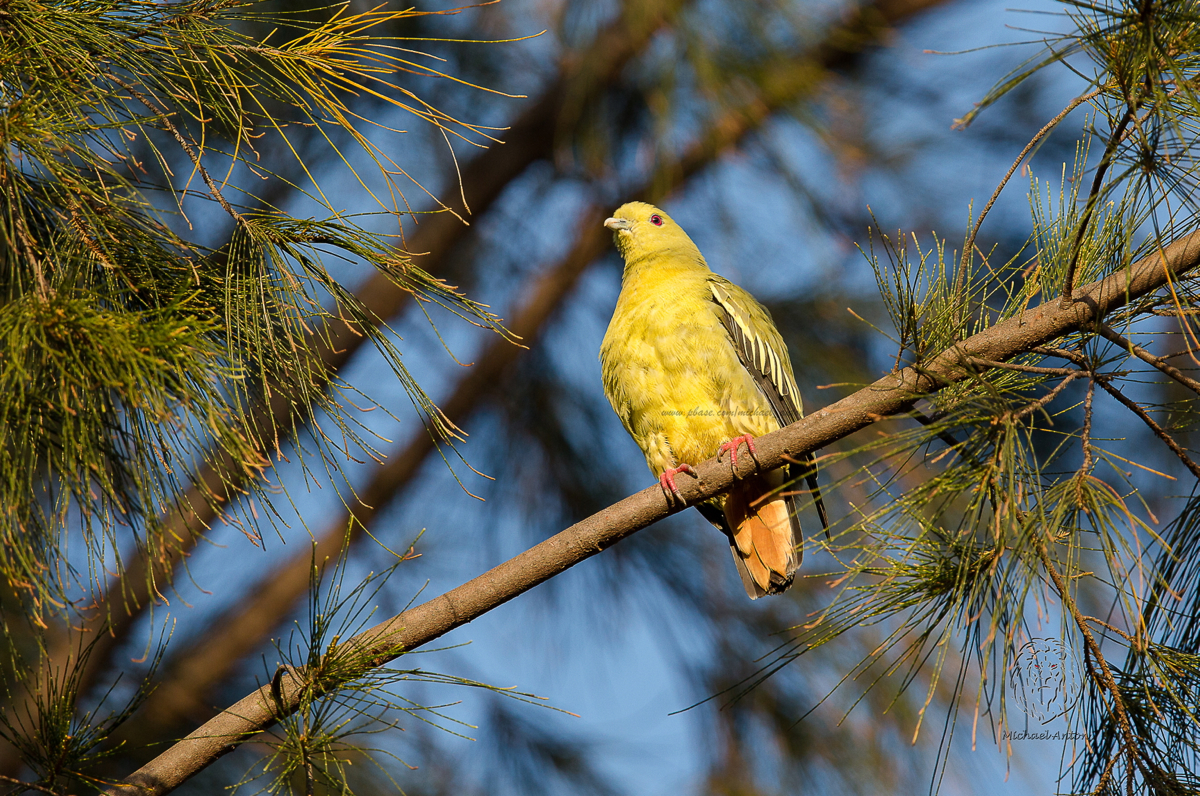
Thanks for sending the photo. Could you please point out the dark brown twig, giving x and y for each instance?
(1110, 152)
(1048, 397)
(1155, 427)
(945, 436)
(1100, 671)
(1159, 362)
(22, 785)
(969, 246)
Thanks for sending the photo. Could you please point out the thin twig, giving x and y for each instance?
(1116, 630)
(987, 363)
(944, 435)
(969, 246)
(1093, 198)
(1105, 680)
(1048, 397)
(1062, 353)
(1183, 352)
(1175, 373)
(1105, 776)
(1086, 438)
(1176, 311)
(22, 785)
(164, 115)
(1155, 427)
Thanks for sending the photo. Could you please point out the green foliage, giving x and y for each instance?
(64, 735)
(137, 352)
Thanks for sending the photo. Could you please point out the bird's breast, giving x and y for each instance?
(673, 376)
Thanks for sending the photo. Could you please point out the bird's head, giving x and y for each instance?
(640, 229)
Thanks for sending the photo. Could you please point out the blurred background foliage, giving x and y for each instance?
(354, 189)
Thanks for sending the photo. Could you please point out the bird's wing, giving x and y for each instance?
(764, 355)
(759, 347)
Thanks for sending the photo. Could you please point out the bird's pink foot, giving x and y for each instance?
(667, 479)
(733, 445)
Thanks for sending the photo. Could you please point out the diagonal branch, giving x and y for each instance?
(894, 393)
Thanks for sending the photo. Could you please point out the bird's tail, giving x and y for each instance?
(764, 535)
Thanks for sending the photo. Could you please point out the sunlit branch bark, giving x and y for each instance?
(891, 394)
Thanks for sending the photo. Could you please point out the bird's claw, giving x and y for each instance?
(733, 445)
(667, 479)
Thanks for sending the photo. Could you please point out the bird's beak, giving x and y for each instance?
(617, 224)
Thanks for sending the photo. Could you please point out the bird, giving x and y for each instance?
(694, 367)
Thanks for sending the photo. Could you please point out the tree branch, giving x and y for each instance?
(891, 394)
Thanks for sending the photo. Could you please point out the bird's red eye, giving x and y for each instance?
(656, 220)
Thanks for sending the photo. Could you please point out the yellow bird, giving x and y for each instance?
(694, 367)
